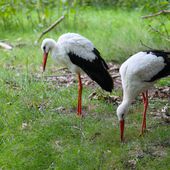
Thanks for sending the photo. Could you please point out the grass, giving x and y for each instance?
(116, 33)
(34, 135)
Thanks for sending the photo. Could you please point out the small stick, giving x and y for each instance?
(162, 35)
(6, 46)
(50, 28)
(156, 14)
(115, 76)
(145, 45)
(165, 29)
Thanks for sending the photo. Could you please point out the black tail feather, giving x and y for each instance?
(166, 70)
(102, 78)
(95, 69)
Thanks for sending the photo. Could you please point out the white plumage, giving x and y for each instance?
(141, 63)
(79, 55)
(138, 74)
(66, 43)
(77, 44)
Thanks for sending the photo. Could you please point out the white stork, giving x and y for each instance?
(79, 55)
(138, 74)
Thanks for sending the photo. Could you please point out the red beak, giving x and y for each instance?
(122, 122)
(44, 60)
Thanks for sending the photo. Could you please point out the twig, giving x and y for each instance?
(6, 46)
(162, 35)
(165, 29)
(50, 28)
(156, 14)
(145, 45)
(115, 76)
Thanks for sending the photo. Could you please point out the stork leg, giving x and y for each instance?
(122, 123)
(79, 113)
(145, 102)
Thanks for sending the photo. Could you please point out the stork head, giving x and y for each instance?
(47, 45)
(121, 112)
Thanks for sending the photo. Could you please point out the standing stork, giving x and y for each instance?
(138, 74)
(79, 55)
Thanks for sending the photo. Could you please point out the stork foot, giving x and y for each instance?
(81, 115)
(143, 132)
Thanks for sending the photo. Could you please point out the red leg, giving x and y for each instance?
(145, 101)
(122, 122)
(144, 98)
(79, 95)
(144, 114)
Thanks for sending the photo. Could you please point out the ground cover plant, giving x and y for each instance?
(38, 125)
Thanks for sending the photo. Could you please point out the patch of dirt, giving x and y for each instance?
(160, 92)
(156, 151)
(165, 143)
(105, 96)
(65, 78)
(163, 113)
(151, 152)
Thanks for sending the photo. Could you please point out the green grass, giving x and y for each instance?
(36, 136)
(116, 33)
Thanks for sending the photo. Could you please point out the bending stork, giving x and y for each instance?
(138, 74)
(79, 55)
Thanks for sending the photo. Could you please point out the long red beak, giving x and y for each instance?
(44, 60)
(122, 123)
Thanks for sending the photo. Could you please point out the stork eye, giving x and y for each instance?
(123, 116)
(44, 48)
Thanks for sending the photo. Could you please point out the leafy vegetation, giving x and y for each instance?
(35, 133)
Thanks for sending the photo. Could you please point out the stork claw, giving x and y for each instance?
(143, 132)
(81, 115)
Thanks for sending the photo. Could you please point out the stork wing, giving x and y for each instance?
(95, 69)
(78, 45)
(82, 53)
(148, 66)
(165, 71)
(81, 47)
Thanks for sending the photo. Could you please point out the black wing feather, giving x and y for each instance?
(97, 53)
(166, 70)
(95, 69)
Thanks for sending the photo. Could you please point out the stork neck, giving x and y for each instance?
(54, 50)
(53, 46)
(125, 105)
(50, 44)
(123, 109)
